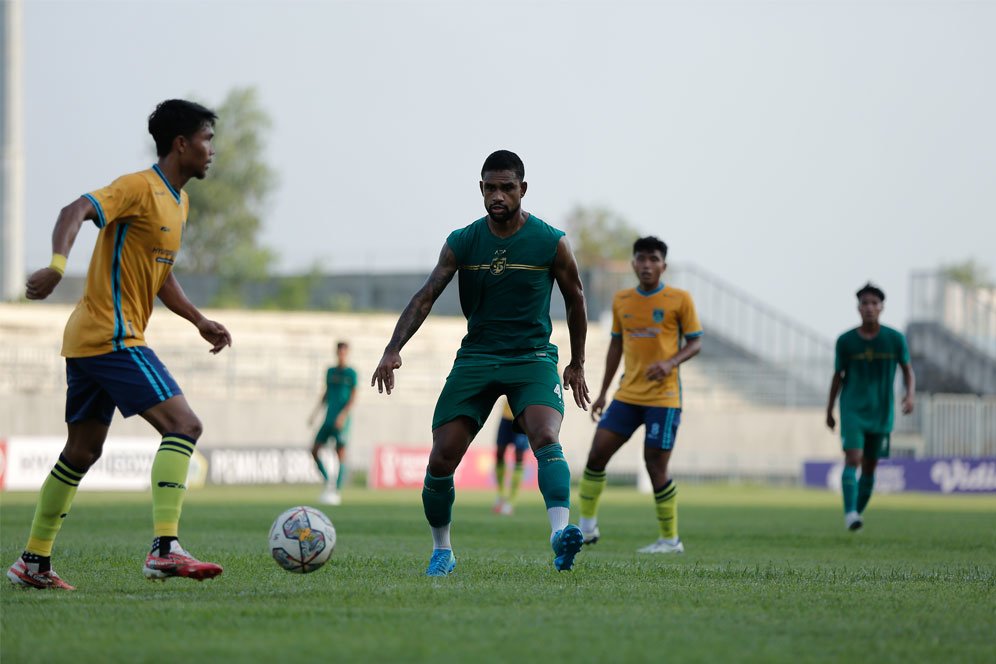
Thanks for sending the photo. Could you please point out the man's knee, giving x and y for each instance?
(543, 435)
(183, 422)
(82, 455)
(175, 416)
(443, 462)
(187, 425)
(596, 460)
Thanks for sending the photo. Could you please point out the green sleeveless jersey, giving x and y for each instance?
(505, 286)
(869, 366)
(339, 385)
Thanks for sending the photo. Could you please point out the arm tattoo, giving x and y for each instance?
(418, 309)
(566, 273)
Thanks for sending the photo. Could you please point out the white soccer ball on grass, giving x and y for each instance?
(302, 539)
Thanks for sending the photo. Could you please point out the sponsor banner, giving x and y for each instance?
(3, 462)
(262, 465)
(399, 467)
(940, 475)
(125, 465)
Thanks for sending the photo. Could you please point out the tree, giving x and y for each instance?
(968, 273)
(222, 232)
(600, 236)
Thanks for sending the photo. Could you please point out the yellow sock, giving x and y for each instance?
(666, 500)
(54, 500)
(500, 479)
(169, 483)
(513, 488)
(590, 489)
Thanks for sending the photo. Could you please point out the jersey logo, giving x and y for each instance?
(658, 315)
(499, 262)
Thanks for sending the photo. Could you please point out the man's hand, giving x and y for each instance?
(907, 405)
(831, 422)
(340, 421)
(41, 283)
(660, 370)
(574, 381)
(598, 407)
(383, 375)
(215, 334)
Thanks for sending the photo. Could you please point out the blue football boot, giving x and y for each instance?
(442, 563)
(566, 544)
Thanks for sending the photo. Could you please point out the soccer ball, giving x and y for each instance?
(302, 539)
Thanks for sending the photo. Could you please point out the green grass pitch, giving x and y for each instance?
(770, 575)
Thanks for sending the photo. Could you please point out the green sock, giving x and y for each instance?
(54, 500)
(437, 499)
(513, 489)
(321, 469)
(500, 477)
(849, 487)
(590, 490)
(866, 483)
(554, 476)
(340, 479)
(169, 477)
(666, 500)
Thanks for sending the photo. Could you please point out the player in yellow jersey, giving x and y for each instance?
(507, 435)
(141, 218)
(648, 325)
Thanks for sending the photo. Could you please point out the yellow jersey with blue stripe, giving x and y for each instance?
(651, 325)
(141, 220)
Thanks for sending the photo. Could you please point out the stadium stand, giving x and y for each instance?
(754, 398)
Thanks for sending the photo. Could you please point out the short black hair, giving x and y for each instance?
(871, 289)
(503, 160)
(177, 117)
(340, 345)
(650, 243)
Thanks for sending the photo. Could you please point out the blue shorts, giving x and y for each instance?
(507, 435)
(131, 379)
(661, 423)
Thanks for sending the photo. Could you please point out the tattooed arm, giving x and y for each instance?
(565, 271)
(412, 317)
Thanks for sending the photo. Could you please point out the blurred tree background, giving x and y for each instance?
(600, 236)
(221, 238)
(969, 273)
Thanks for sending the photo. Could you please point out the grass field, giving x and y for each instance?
(769, 575)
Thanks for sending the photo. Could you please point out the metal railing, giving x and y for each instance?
(952, 424)
(757, 329)
(968, 312)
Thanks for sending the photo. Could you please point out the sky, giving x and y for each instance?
(794, 149)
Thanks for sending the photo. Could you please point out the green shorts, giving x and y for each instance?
(328, 432)
(472, 389)
(873, 444)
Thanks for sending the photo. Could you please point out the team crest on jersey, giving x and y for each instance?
(658, 315)
(499, 262)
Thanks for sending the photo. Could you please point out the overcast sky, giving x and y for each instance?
(796, 149)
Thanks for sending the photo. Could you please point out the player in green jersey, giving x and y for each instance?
(507, 263)
(864, 375)
(337, 400)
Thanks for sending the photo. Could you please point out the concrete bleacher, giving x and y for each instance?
(261, 391)
(952, 334)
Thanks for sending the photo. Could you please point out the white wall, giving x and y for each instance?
(260, 392)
